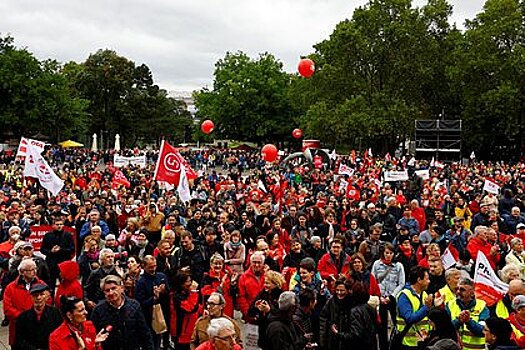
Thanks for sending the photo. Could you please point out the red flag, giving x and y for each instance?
(169, 163)
(119, 179)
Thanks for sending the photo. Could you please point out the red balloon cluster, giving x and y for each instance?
(306, 67)
(297, 133)
(207, 126)
(269, 153)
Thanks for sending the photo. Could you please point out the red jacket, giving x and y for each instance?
(475, 245)
(327, 268)
(212, 283)
(62, 338)
(207, 345)
(249, 287)
(16, 300)
(69, 285)
(183, 316)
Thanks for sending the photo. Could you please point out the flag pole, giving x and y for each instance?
(158, 160)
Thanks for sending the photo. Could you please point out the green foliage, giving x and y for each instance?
(35, 96)
(123, 99)
(249, 99)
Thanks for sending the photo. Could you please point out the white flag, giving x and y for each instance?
(37, 167)
(491, 187)
(432, 162)
(448, 259)
(24, 143)
(260, 186)
(370, 152)
(333, 155)
(487, 286)
(184, 188)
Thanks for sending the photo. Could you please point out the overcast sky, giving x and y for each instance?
(181, 40)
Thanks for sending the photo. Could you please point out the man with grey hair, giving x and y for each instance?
(448, 292)
(92, 292)
(468, 315)
(480, 243)
(281, 333)
(517, 255)
(221, 336)
(129, 329)
(250, 284)
(214, 309)
(503, 308)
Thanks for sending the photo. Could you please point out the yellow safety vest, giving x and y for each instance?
(501, 310)
(449, 295)
(517, 332)
(468, 339)
(410, 338)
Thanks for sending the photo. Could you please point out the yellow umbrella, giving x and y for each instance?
(70, 144)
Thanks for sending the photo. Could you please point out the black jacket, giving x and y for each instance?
(31, 333)
(281, 333)
(362, 322)
(334, 312)
(92, 291)
(130, 330)
(62, 239)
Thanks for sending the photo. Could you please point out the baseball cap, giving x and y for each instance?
(518, 301)
(520, 225)
(38, 287)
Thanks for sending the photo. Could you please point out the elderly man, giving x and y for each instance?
(94, 220)
(250, 284)
(214, 309)
(130, 330)
(514, 219)
(480, 243)
(221, 334)
(92, 292)
(34, 326)
(468, 315)
(16, 296)
(448, 292)
(517, 255)
(503, 308)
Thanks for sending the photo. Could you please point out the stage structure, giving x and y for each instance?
(440, 139)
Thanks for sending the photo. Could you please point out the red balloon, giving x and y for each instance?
(269, 153)
(207, 126)
(297, 133)
(306, 67)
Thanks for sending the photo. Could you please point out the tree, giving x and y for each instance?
(249, 99)
(123, 99)
(35, 96)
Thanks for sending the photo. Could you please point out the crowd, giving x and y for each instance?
(308, 257)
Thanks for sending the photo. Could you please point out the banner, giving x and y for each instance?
(37, 167)
(491, 187)
(38, 233)
(396, 176)
(487, 286)
(24, 142)
(120, 161)
(346, 170)
(424, 174)
(184, 187)
(169, 164)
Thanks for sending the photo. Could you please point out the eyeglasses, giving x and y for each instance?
(213, 304)
(229, 338)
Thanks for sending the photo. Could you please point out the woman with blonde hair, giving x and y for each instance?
(509, 272)
(265, 302)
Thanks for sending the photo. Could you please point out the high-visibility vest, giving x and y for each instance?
(449, 294)
(501, 310)
(410, 338)
(468, 339)
(517, 333)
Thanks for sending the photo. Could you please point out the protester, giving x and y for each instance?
(76, 332)
(221, 334)
(129, 329)
(34, 326)
(214, 309)
(281, 334)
